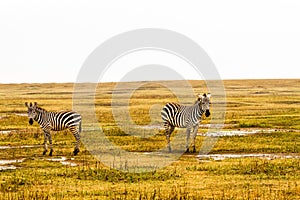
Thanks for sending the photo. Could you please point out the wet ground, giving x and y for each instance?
(219, 157)
(224, 133)
(8, 164)
(19, 147)
(6, 131)
(63, 160)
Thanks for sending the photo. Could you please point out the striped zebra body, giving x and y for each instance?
(55, 121)
(181, 116)
(189, 117)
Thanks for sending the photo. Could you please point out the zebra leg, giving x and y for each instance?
(50, 142)
(188, 131)
(168, 130)
(195, 131)
(76, 133)
(76, 149)
(45, 143)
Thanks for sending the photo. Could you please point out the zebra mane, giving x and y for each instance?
(41, 109)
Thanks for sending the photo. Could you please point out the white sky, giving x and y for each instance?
(48, 41)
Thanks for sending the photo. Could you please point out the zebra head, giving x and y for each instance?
(31, 111)
(204, 102)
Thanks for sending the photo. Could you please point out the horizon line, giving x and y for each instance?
(68, 82)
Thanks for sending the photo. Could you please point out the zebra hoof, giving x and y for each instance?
(44, 152)
(75, 152)
(51, 151)
(187, 150)
(194, 150)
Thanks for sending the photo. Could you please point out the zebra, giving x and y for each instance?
(177, 115)
(55, 121)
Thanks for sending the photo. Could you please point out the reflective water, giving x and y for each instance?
(5, 132)
(231, 133)
(63, 160)
(19, 147)
(253, 155)
(6, 164)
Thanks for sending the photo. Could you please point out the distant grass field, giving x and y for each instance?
(250, 105)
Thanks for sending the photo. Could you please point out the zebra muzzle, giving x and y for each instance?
(207, 113)
(30, 121)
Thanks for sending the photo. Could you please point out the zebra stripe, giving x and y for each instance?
(55, 121)
(177, 115)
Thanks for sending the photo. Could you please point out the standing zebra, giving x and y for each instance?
(55, 121)
(176, 115)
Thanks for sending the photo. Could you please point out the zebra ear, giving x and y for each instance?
(30, 104)
(26, 104)
(204, 95)
(208, 95)
(35, 103)
(200, 97)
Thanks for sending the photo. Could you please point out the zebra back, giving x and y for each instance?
(57, 120)
(180, 115)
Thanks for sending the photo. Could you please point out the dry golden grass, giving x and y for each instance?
(250, 104)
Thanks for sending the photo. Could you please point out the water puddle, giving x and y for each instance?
(63, 161)
(150, 127)
(19, 147)
(6, 131)
(6, 164)
(3, 116)
(221, 133)
(71, 164)
(21, 114)
(57, 159)
(231, 133)
(219, 157)
(10, 167)
(216, 125)
(159, 126)
(150, 153)
(236, 132)
(17, 114)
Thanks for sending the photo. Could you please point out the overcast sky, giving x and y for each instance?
(48, 41)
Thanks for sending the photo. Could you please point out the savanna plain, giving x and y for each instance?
(261, 163)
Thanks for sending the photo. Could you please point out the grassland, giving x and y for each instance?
(250, 104)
